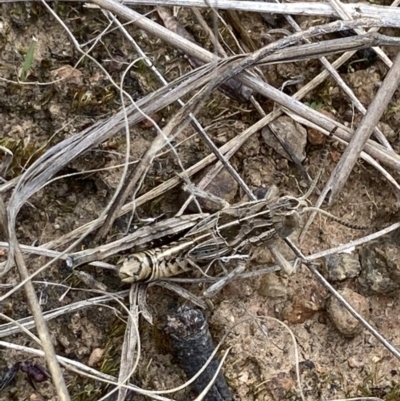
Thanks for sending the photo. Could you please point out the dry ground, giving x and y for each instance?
(261, 362)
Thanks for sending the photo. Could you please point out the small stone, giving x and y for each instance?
(96, 356)
(35, 397)
(299, 311)
(391, 253)
(244, 377)
(280, 386)
(315, 137)
(305, 304)
(375, 359)
(344, 322)
(355, 362)
(223, 186)
(380, 273)
(291, 132)
(272, 286)
(67, 75)
(339, 267)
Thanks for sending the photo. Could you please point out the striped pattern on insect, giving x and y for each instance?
(225, 233)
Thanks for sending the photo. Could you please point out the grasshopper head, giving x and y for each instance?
(136, 268)
(286, 215)
(286, 224)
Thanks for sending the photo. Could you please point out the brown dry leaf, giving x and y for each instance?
(68, 75)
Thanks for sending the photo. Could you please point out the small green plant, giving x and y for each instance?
(394, 393)
(25, 152)
(314, 105)
(392, 110)
(28, 61)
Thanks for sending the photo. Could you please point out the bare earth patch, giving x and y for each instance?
(63, 95)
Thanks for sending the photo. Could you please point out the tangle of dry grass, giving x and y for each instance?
(196, 87)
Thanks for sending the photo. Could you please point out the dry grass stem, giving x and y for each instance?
(7, 329)
(364, 131)
(167, 120)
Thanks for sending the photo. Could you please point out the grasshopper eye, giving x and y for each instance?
(286, 224)
(269, 194)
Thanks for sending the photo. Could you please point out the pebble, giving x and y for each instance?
(291, 132)
(380, 272)
(355, 362)
(298, 311)
(280, 385)
(342, 266)
(222, 186)
(316, 137)
(96, 356)
(344, 322)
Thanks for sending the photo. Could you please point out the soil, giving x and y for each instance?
(262, 314)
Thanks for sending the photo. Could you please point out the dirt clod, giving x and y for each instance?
(292, 133)
(96, 356)
(339, 267)
(316, 137)
(272, 286)
(342, 319)
(380, 268)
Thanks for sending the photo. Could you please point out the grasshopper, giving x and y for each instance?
(223, 234)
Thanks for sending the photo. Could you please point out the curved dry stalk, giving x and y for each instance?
(296, 348)
(131, 345)
(15, 254)
(353, 244)
(345, 223)
(217, 372)
(8, 329)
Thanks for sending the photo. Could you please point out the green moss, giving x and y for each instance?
(25, 152)
(394, 394)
